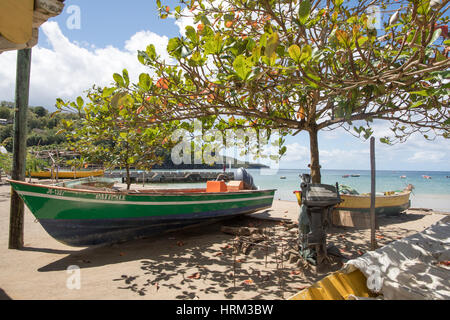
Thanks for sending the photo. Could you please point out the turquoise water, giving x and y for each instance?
(439, 184)
(431, 193)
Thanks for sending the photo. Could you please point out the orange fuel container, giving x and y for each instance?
(216, 186)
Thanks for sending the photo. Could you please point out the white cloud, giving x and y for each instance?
(427, 156)
(187, 20)
(68, 68)
(296, 152)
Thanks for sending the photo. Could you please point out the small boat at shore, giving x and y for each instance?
(84, 214)
(392, 202)
(53, 174)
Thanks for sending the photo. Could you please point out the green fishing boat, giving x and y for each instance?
(80, 215)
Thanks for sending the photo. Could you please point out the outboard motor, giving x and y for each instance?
(317, 201)
(243, 175)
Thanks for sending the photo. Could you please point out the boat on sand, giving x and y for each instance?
(83, 215)
(391, 202)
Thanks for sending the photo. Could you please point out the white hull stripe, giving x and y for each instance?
(139, 203)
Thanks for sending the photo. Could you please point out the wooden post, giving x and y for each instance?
(19, 146)
(373, 240)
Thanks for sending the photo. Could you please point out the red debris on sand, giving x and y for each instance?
(195, 276)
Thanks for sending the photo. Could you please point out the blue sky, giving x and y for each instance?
(68, 61)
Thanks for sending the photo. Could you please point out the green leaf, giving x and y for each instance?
(417, 104)
(256, 54)
(214, 45)
(191, 34)
(272, 44)
(263, 40)
(174, 47)
(108, 92)
(119, 80)
(423, 7)
(304, 11)
(362, 40)
(423, 93)
(436, 35)
(242, 66)
(295, 52)
(312, 84)
(306, 54)
(126, 77)
(313, 76)
(80, 102)
(338, 3)
(145, 81)
(151, 51)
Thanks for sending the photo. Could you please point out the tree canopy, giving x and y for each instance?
(304, 65)
(111, 129)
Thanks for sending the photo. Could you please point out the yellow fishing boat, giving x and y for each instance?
(389, 203)
(337, 286)
(66, 174)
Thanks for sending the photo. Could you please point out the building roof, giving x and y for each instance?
(20, 21)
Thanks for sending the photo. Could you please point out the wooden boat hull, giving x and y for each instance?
(337, 286)
(66, 174)
(387, 205)
(84, 217)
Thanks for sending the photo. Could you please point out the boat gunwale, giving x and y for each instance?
(402, 194)
(141, 193)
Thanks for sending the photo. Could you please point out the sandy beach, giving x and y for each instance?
(202, 263)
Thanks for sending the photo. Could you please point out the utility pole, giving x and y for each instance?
(19, 147)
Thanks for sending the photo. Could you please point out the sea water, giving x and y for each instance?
(431, 193)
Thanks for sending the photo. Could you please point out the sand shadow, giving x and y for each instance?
(385, 220)
(46, 250)
(133, 250)
(183, 260)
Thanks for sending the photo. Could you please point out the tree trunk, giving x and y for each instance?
(314, 150)
(128, 177)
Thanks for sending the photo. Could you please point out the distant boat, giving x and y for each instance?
(64, 174)
(283, 177)
(426, 177)
(346, 176)
(403, 177)
(356, 175)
